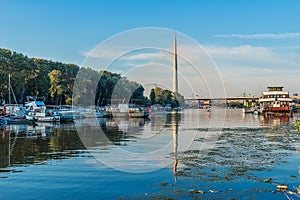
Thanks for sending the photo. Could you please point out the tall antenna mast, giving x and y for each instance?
(175, 78)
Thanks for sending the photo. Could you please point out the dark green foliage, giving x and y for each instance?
(164, 97)
(55, 80)
(31, 77)
(152, 96)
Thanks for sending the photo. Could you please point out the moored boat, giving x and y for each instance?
(38, 112)
(18, 120)
(15, 114)
(276, 102)
(67, 113)
(43, 116)
(126, 110)
(253, 110)
(136, 113)
(90, 113)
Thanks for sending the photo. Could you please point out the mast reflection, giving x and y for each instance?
(176, 117)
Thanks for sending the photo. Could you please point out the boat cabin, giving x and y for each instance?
(275, 92)
(35, 105)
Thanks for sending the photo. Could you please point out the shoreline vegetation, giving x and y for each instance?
(54, 81)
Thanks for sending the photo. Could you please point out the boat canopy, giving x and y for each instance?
(35, 104)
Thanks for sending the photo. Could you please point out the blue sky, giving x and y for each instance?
(253, 43)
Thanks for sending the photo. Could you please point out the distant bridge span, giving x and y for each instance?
(206, 101)
(253, 98)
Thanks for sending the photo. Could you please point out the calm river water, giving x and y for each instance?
(221, 154)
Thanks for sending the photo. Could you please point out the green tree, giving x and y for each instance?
(152, 96)
(56, 88)
(164, 97)
(3, 86)
(55, 81)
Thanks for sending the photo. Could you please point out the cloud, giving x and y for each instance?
(244, 68)
(140, 56)
(235, 52)
(108, 53)
(263, 36)
(251, 57)
(251, 69)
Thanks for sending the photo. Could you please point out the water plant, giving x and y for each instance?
(297, 124)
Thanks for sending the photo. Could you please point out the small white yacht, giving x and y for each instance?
(37, 111)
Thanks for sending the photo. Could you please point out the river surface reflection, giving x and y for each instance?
(187, 155)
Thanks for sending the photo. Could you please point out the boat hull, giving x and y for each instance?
(278, 114)
(120, 114)
(19, 121)
(43, 119)
(278, 111)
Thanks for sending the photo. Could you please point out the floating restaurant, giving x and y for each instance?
(276, 102)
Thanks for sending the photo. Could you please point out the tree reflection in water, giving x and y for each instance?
(24, 144)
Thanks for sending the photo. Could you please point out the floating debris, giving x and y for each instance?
(297, 124)
(282, 187)
(291, 192)
(212, 191)
(196, 191)
(267, 180)
(163, 184)
(298, 189)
